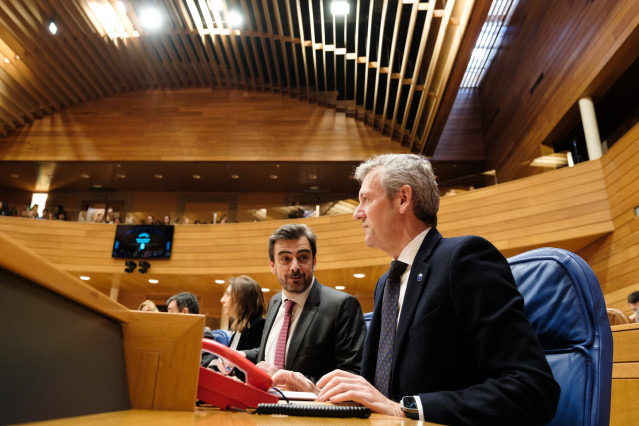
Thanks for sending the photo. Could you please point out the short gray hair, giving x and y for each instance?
(413, 170)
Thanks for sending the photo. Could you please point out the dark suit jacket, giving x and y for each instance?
(329, 334)
(463, 343)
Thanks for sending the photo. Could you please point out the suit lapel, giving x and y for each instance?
(417, 281)
(274, 306)
(305, 320)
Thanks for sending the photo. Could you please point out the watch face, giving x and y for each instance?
(409, 403)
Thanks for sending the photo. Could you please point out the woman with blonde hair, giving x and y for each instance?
(148, 306)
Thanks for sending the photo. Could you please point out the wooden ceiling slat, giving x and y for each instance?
(14, 95)
(274, 51)
(323, 27)
(38, 53)
(280, 31)
(231, 67)
(311, 21)
(252, 57)
(303, 41)
(293, 44)
(380, 46)
(402, 72)
(263, 44)
(369, 34)
(391, 64)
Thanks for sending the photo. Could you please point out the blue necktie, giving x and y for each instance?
(390, 309)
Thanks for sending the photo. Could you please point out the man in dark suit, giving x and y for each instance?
(326, 326)
(461, 350)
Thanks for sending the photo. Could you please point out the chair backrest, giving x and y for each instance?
(616, 317)
(367, 319)
(564, 303)
(222, 336)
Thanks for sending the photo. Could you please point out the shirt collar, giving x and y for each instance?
(298, 298)
(410, 251)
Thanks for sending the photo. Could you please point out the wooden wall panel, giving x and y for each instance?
(196, 125)
(602, 40)
(615, 258)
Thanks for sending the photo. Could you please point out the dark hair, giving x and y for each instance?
(248, 301)
(185, 300)
(633, 297)
(291, 231)
(413, 170)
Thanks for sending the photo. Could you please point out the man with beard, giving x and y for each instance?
(326, 327)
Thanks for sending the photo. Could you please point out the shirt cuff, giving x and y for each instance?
(418, 401)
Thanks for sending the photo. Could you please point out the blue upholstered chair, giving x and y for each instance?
(564, 303)
(222, 336)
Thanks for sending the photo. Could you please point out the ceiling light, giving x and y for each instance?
(339, 8)
(312, 177)
(53, 28)
(97, 186)
(265, 290)
(234, 176)
(273, 176)
(6, 60)
(158, 176)
(235, 19)
(340, 287)
(219, 281)
(85, 176)
(196, 176)
(151, 18)
(15, 176)
(359, 275)
(121, 175)
(153, 281)
(85, 278)
(121, 6)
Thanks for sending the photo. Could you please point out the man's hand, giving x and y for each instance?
(340, 386)
(293, 381)
(269, 369)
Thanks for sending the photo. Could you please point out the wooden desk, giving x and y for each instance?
(214, 417)
(625, 374)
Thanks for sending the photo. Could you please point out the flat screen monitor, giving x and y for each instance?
(143, 242)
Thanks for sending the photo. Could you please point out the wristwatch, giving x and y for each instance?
(409, 407)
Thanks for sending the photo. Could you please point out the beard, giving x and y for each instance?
(295, 283)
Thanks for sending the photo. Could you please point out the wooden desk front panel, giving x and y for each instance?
(625, 375)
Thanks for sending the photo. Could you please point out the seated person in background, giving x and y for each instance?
(186, 303)
(448, 337)
(148, 306)
(309, 328)
(243, 304)
(633, 303)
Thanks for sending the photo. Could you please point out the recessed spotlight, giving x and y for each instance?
(340, 287)
(235, 19)
(14, 176)
(196, 176)
(121, 176)
(151, 18)
(265, 290)
(97, 186)
(159, 176)
(18, 57)
(6, 60)
(273, 176)
(234, 176)
(312, 177)
(359, 275)
(53, 28)
(339, 8)
(85, 278)
(219, 281)
(153, 281)
(85, 176)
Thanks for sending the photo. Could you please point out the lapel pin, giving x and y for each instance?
(419, 277)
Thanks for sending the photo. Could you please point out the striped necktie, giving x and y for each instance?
(390, 309)
(280, 348)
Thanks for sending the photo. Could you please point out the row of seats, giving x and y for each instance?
(565, 305)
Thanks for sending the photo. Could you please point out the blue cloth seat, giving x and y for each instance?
(565, 305)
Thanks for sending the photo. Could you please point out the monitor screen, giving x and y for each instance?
(143, 241)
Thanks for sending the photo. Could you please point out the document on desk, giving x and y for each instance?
(293, 395)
